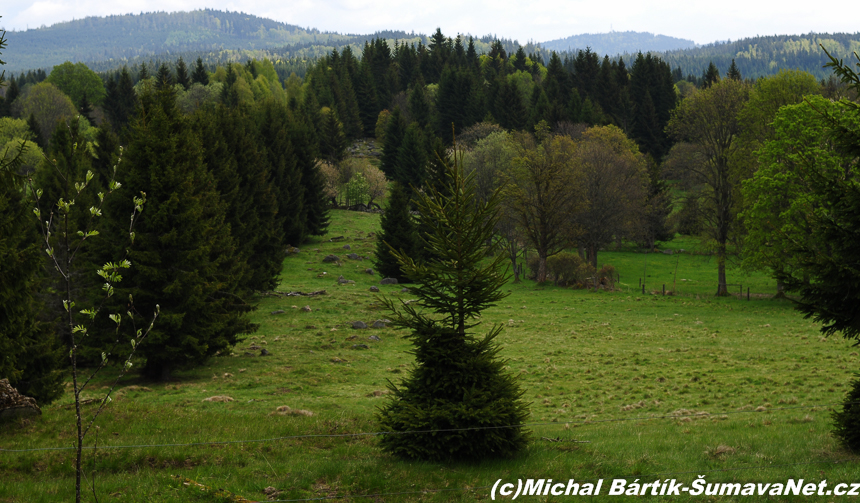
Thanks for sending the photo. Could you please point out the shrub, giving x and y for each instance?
(847, 421)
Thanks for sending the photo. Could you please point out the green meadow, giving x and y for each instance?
(621, 384)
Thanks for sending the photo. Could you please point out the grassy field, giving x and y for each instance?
(621, 384)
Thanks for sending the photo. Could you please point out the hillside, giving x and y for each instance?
(150, 34)
(618, 42)
(758, 56)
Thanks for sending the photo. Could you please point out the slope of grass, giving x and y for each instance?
(649, 384)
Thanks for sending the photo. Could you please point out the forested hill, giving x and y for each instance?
(618, 42)
(150, 34)
(759, 56)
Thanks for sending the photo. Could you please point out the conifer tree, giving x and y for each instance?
(86, 109)
(182, 74)
(394, 133)
(331, 138)
(200, 75)
(368, 107)
(143, 74)
(711, 75)
(30, 354)
(11, 95)
(163, 78)
(36, 132)
(419, 107)
(733, 72)
(458, 390)
(399, 232)
(412, 159)
(184, 256)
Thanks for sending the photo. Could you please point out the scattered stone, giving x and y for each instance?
(14, 404)
(264, 352)
(353, 256)
(352, 337)
(279, 311)
(346, 247)
(338, 238)
(404, 290)
(374, 338)
(388, 281)
(249, 354)
(286, 411)
(227, 375)
(376, 393)
(310, 327)
(360, 346)
(369, 271)
(331, 258)
(254, 347)
(359, 324)
(219, 398)
(341, 280)
(378, 324)
(306, 309)
(668, 252)
(374, 289)
(338, 360)
(271, 491)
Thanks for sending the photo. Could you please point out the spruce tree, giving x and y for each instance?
(30, 353)
(399, 232)
(412, 159)
(458, 401)
(200, 75)
(711, 75)
(419, 107)
(182, 74)
(86, 109)
(163, 78)
(183, 254)
(331, 139)
(733, 72)
(394, 131)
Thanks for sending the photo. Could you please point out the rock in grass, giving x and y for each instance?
(14, 404)
(346, 247)
(369, 271)
(374, 289)
(219, 398)
(378, 324)
(359, 324)
(279, 311)
(284, 410)
(331, 258)
(360, 346)
(353, 256)
(388, 281)
(264, 352)
(306, 309)
(374, 338)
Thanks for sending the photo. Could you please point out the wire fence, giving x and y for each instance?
(700, 414)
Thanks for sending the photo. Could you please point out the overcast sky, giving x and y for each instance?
(700, 21)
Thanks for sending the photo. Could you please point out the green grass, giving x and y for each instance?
(605, 368)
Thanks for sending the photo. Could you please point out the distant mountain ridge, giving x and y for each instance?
(618, 42)
(149, 34)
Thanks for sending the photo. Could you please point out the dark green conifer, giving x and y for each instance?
(711, 75)
(163, 78)
(182, 74)
(200, 75)
(30, 353)
(36, 132)
(398, 232)
(458, 388)
(229, 93)
(143, 74)
(394, 132)
(183, 255)
(331, 138)
(412, 159)
(733, 72)
(86, 109)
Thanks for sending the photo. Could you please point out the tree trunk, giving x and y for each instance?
(722, 288)
(541, 275)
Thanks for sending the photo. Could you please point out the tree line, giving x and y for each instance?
(226, 187)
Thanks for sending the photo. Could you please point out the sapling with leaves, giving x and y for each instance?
(66, 238)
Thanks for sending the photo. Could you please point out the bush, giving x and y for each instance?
(847, 421)
(566, 269)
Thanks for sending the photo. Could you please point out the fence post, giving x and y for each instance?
(640, 281)
(748, 293)
(643, 288)
(664, 289)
